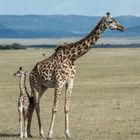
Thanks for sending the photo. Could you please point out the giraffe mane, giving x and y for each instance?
(61, 47)
(100, 21)
(66, 45)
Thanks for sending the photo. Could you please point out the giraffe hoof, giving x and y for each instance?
(25, 136)
(29, 135)
(21, 136)
(49, 136)
(42, 135)
(68, 135)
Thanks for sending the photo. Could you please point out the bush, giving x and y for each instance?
(14, 46)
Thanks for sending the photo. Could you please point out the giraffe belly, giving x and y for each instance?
(23, 102)
(48, 83)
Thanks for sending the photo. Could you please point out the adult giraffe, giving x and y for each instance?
(58, 70)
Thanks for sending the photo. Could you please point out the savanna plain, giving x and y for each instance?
(105, 101)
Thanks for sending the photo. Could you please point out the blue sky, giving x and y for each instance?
(66, 7)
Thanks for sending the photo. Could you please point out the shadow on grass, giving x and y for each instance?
(8, 135)
(5, 135)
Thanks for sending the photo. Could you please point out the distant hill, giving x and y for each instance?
(133, 31)
(38, 26)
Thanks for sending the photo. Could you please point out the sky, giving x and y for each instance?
(68, 7)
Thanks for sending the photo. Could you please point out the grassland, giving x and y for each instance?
(105, 100)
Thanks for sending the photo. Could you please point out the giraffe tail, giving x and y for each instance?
(31, 100)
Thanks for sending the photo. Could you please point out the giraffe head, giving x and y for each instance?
(20, 72)
(112, 23)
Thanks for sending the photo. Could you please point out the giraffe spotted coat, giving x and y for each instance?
(59, 70)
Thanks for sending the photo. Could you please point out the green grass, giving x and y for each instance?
(105, 100)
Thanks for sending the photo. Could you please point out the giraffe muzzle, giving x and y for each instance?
(120, 28)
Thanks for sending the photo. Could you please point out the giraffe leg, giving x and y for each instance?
(37, 108)
(31, 110)
(54, 110)
(50, 133)
(25, 123)
(68, 92)
(67, 132)
(21, 121)
(36, 94)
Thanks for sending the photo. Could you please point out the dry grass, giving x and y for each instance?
(105, 100)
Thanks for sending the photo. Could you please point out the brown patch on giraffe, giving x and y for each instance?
(86, 47)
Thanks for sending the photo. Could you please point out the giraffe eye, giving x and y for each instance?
(110, 21)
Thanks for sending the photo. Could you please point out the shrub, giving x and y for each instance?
(14, 46)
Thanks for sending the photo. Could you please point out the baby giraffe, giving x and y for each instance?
(23, 102)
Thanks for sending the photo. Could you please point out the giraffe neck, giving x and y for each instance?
(22, 85)
(82, 46)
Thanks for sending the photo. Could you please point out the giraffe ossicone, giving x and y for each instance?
(59, 70)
